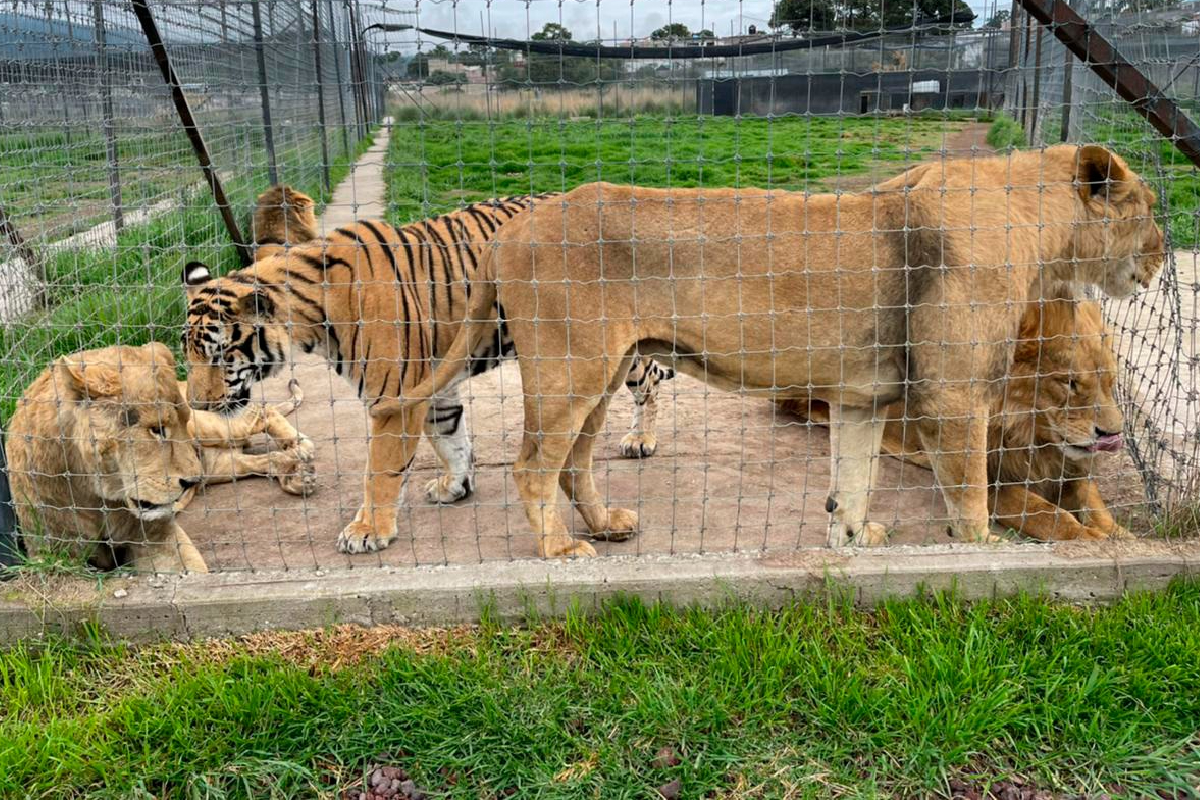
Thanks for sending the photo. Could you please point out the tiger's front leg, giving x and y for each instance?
(642, 382)
(394, 440)
(446, 427)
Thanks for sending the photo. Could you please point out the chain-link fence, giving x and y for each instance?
(483, 103)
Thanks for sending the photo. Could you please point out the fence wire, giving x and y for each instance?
(105, 207)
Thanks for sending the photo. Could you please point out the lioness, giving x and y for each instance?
(102, 450)
(1055, 413)
(912, 290)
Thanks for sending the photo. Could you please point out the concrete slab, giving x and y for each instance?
(202, 606)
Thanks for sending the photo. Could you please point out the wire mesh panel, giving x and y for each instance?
(766, 281)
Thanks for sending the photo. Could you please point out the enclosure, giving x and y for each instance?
(392, 111)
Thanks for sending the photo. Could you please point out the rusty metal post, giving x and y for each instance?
(106, 119)
(1130, 83)
(316, 19)
(1035, 107)
(264, 93)
(150, 29)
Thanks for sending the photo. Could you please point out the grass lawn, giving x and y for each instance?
(814, 701)
(437, 165)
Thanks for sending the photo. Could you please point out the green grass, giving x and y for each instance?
(437, 165)
(1005, 133)
(131, 294)
(813, 701)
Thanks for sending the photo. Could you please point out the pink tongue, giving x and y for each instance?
(1110, 443)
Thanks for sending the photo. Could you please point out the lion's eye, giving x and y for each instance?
(1073, 385)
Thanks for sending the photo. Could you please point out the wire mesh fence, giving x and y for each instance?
(781, 147)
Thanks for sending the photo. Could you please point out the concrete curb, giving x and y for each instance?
(200, 606)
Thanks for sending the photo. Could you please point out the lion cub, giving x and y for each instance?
(1052, 417)
(103, 450)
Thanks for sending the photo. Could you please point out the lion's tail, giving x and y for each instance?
(477, 326)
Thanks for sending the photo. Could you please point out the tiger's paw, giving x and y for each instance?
(638, 445)
(358, 537)
(449, 489)
(622, 524)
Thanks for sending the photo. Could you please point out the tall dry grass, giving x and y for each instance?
(474, 102)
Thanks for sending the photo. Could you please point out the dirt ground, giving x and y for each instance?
(730, 473)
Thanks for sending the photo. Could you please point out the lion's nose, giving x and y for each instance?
(188, 483)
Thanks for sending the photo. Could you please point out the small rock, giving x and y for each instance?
(665, 757)
(119, 593)
(378, 778)
(670, 791)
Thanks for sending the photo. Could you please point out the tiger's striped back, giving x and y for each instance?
(379, 300)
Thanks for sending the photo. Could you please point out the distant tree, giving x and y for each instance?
(998, 19)
(552, 31)
(706, 34)
(803, 15)
(676, 30)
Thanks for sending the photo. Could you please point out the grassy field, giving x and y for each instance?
(1175, 178)
(439, 164)
(813, 701)
(131, 294)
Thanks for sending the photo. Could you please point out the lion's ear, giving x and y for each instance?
(90, 380)
(1100, 173)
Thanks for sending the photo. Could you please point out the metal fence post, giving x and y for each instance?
(264, 92)
(1068, 69)
(9, 548)
(355, 75)
(316, 18)
(106, 118)
(150, 29)
(337, 68)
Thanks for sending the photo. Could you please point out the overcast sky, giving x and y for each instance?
(586, 19)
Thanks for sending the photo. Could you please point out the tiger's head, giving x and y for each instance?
(1060, 392)
(232, 339)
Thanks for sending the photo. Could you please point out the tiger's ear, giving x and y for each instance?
(1100, 174)
(195, 274)
(256, 305)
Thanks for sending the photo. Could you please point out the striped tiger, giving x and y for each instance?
(381, 302)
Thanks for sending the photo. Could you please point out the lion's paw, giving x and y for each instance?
(358, 537)
(638, 445)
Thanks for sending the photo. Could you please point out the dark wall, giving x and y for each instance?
(828, 94)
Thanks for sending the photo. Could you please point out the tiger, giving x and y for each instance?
(324, 295)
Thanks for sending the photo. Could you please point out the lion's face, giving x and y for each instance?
(1119, 245)
(1063, 376)
(231, 340)
(131, 427)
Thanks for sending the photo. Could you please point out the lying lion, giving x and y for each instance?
(911, 291)
(1052, 417)
(103, 449)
